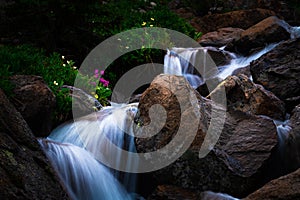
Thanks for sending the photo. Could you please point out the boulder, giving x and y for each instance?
(269, 30)
(25, 172)
(244, 95)
(234, 165)
(243, 19)
(35, 101)
(221, 37)
(285, 187)
(279, 71)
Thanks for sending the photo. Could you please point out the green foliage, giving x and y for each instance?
(28, 60)
(55, 70)
(117, 16)
(95, 85)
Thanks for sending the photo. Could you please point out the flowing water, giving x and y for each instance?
(283, 129)
(183, 61)
(83, 176)
(75, 148)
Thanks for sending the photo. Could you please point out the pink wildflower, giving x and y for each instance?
(104, 82)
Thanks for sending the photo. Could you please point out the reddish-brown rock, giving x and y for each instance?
(270, 30)
(285, 187)
(235, 162)
(35, 101)
(243, 19)
(279, 71)
(243, 95)
(221, 37)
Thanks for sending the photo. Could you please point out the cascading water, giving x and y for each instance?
(181, 61)
(75, 148)
(241, 61)
(283, 129)
(83, 176)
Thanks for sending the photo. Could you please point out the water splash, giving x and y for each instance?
(83, 176)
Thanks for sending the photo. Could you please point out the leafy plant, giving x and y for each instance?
(95, 85)
(28, 60)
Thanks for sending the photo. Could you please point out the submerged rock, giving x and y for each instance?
(35, 101)
(285, 187)
(25, 172)
(234, 165)
(270, 30)
(244, 95)
(279, 71)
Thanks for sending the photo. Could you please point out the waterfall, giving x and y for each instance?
(75, 149)
(241, 61)
(182, 61)
(83, 176)
(283, 130)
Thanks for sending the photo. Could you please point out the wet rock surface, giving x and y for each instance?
(267, 31)
(279, 70)
(244, 95)
(285, 187)
(234, 164)
(24, 169)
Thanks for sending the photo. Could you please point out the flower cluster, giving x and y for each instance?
(99, 86)
(101, 80)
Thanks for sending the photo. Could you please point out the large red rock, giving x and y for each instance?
(269, 30)
(244, 95)
(285, 187)
(35, 101)
(235, 163)
(279, 71)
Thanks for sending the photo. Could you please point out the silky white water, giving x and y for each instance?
(183, 61)
(75, 149)
(83, 176)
